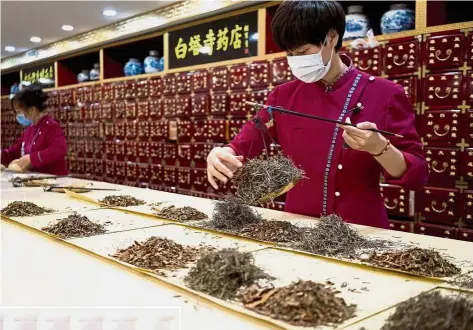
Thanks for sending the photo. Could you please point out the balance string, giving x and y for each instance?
(263, 129)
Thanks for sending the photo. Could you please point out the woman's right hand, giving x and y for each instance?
(221, 164)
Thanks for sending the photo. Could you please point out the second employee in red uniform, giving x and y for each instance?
(42, 147)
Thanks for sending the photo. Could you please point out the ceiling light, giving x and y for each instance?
(35, 39)
(109, 12)
(67, 27)
(10, 48)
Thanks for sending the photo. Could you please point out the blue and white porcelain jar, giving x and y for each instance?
(398, 18)
(15, 88)
(152, 62)
(133, 67)
(161, 64)
(83, 76)
(357, 24)
(95, 72)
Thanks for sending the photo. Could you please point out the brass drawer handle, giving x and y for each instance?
(444, 207)
(434, 166)
(257, 77)
(386, 200)
(446, 128)
(364, 68)
(438, 52)
(448, 90)
(280, 75)
(396, 58)
(218, 81)
(237, 80)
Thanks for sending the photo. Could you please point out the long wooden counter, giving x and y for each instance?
(40, 270)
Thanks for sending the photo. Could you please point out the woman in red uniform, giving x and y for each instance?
(42, 147)
(342, 163)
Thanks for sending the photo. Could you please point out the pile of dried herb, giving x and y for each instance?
(333, 237)
(122, 201)
(417, 261)
(303, 303)
(75, 225)
(432, 311)
(232, 213)
(24, 209)
(158, 254)
(182, 214)
(222, 273)
(260, 177)
(272, 231)
(464, 281)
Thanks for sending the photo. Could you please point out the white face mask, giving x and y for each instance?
(309, 68)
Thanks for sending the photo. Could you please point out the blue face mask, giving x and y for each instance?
(23, 121)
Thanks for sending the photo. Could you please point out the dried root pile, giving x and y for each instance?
(417, 261)
(432, 311)
(122, 201)
(24, 209)
(182, 214)
(75, 225)
(222, 273)
(261, 177)
(303, 303)
(158, 254)
(272, 231)
(333, 237)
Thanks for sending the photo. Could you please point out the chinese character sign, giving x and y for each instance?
(221, 40)
(43, 74)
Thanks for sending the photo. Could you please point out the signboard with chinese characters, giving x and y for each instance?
(43, 74)
(226, 39)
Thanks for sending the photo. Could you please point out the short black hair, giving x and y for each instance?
(297, 23)
(31, 96)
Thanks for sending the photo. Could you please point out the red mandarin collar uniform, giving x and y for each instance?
(46, 145)
(340, 181)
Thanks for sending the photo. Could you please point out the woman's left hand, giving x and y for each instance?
(359, 138)
(24, 163)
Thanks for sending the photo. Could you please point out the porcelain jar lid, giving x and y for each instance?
(355, 9)
(399, 6)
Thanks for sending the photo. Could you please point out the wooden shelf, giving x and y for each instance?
(115, 57)
(374, 10)
(8, 80)
(448, 12)
(69, 68)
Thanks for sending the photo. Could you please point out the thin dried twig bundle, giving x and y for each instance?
(232, 213)
(259, 177)
(432, 310)
(333, 237)
(222, 273)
